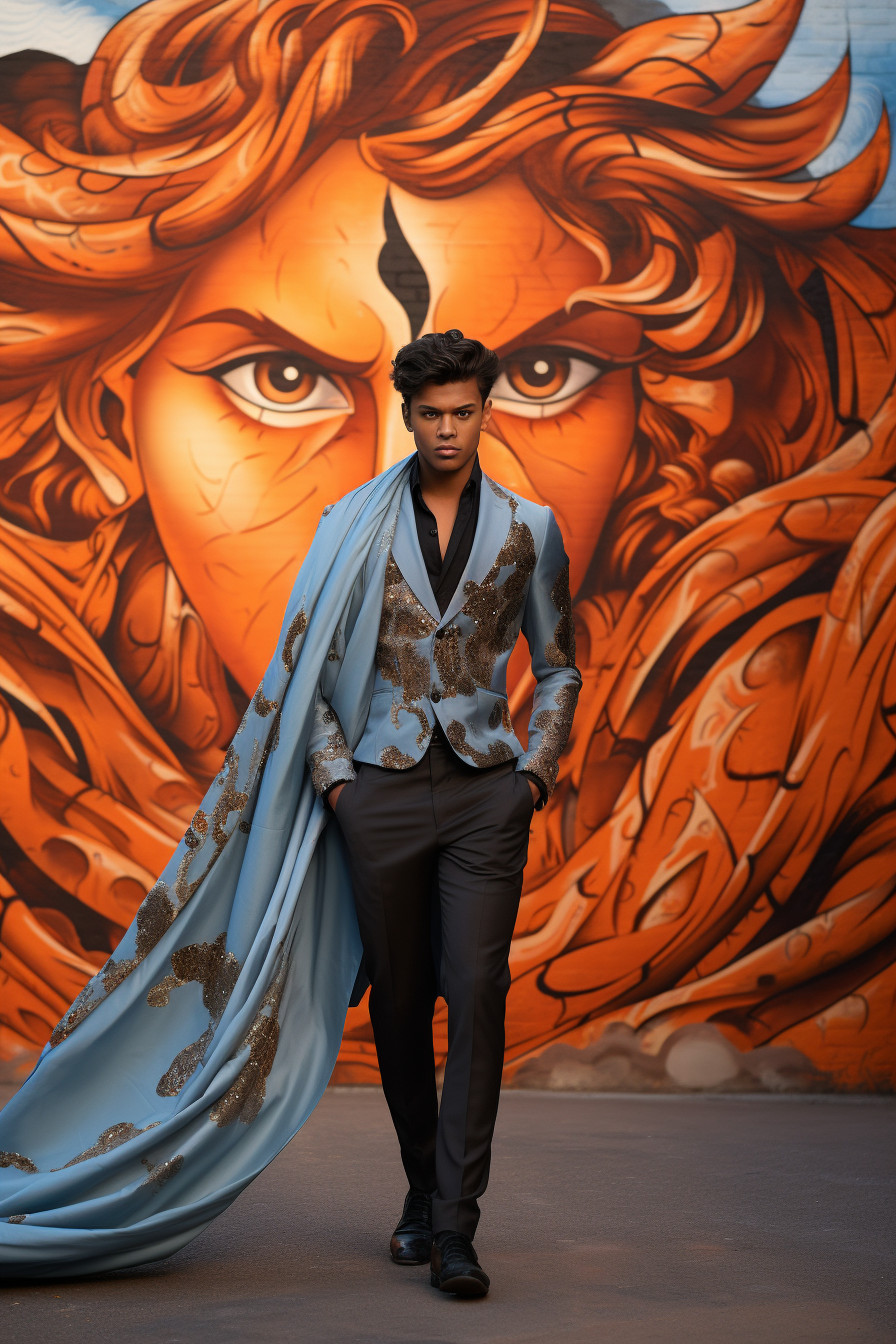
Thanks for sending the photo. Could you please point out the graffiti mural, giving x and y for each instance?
(698, 352)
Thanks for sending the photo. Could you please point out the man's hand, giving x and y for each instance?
(334, 794)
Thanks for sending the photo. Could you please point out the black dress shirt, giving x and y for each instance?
(445, 575)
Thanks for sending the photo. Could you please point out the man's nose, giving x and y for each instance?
(446, 428)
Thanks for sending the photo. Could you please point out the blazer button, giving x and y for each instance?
(440, 634)
(435, 695)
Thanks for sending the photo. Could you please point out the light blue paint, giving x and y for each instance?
(867, 28)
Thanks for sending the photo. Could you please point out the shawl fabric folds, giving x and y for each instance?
(204, 1044)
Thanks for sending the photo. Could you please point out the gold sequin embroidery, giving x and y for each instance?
(337, 749)
(159, 1174)
(16, 1218)
(554, 725)
(193, 837)
(181, 886)
(391, 758)
(154, 918)
(243, 1100)
(82, 1006)
(184, 1065)
(454, 675)
(230, 799)
(260, 756)
(494, 606)
(497, 752)
(217, 971)
(404, 621)
(19, 1162)
(262, 705)
(109, 1140)
(297, 626)
(561, 650)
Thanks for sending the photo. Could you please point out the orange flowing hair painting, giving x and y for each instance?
(717, 866)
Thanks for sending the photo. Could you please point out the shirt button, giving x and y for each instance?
(435, 695)
(433, 531)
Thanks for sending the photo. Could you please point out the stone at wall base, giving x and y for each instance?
(696, 1057)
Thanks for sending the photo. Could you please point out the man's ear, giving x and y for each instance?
(486, 413)
(406, 415)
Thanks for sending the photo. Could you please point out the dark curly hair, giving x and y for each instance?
(443, 357)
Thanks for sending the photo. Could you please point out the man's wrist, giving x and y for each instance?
(335, 784)
(539, 784)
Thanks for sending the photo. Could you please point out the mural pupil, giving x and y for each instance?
(542, 376)
(279, 378)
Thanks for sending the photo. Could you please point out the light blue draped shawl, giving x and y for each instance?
(204, 1044)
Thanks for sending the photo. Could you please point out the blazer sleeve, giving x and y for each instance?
(328, 755)
(549, 630)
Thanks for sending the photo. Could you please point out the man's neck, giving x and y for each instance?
(445, 486)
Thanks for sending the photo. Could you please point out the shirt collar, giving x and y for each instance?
(471, 487)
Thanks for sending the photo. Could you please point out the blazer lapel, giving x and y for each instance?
(407, 555)
(492, 526)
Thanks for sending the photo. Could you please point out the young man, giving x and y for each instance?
(435, 800)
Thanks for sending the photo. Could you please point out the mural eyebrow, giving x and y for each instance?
(401, 271)
(265, 329)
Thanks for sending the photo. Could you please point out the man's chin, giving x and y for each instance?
(447, 461)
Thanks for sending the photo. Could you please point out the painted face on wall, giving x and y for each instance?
(268, 394)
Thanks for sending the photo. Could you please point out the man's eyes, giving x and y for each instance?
(280, 386)
(544, 380)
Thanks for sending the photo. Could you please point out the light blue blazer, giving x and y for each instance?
(452, 668)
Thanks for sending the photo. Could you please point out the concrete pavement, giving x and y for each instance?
(625, 1219)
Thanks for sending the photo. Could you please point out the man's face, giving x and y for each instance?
(268, 395)
(446, 421)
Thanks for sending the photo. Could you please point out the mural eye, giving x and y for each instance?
(543, 381)
(280, 387)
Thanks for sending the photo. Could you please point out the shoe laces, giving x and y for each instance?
(456, 1244)
(417, 1206)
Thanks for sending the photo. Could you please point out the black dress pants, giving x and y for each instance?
(437, 854)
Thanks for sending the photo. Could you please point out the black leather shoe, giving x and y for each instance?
(411, 1242)
(455, 1268)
